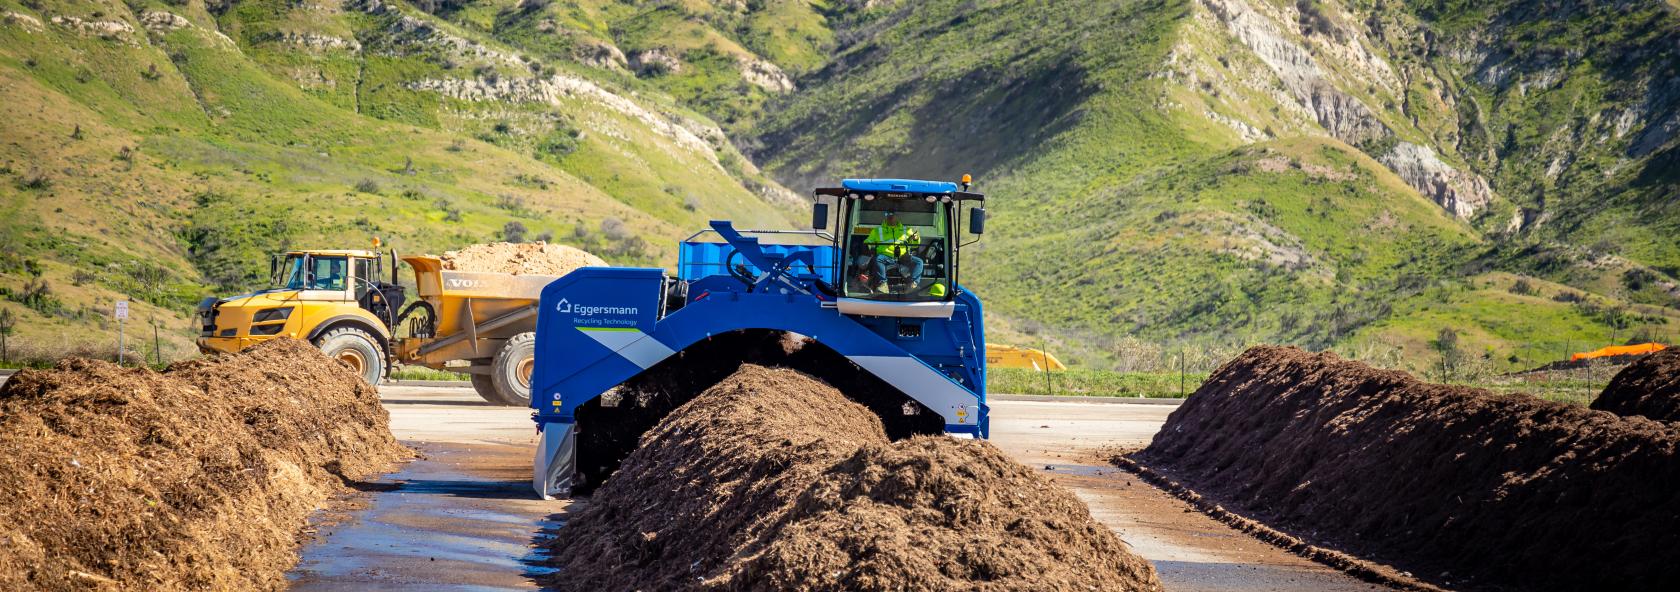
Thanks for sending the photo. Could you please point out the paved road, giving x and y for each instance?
(464, 519)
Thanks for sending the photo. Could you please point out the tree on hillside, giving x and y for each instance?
(7, 322)
(1446, 343)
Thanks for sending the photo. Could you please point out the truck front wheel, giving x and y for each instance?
(356, 349)
(511, 370)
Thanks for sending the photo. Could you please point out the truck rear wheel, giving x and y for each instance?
(486, 389)
(356, 349)
(511, 370)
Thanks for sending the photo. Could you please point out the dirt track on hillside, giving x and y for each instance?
(774, 480)
(199, 477)
(1463, 487)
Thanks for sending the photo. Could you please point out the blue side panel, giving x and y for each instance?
(696, 260)
(576, 364)
(580, 308)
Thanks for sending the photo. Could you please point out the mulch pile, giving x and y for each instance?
(1462, 487)
(199, 477)
(1647, 388)
(773, 480)
(538, 258)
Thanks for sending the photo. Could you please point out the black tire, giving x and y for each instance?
(486, 389)
(357, 349)
(511, 370)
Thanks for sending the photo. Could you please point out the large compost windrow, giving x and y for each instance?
(1649, 388)
(1460, 486)
(199, 477)
(773, 480)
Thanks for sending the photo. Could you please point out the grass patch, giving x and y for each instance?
(1092, 383)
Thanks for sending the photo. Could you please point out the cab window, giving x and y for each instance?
(328, 273)
(909, 262)
(364, 275)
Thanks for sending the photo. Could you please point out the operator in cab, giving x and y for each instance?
(895, 244)
(334, 277)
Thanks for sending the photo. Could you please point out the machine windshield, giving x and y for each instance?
(898, 249)
(314, 272)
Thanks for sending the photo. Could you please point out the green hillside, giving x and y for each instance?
(1189, 174)
(161, 151)
(1219, 172)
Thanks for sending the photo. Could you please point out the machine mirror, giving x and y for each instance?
(977, 221)
(819, 216)
(274, 268)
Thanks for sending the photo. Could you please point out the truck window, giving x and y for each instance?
(328, 273)
(364, 276)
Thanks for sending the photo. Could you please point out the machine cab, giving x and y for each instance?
(899, 243)
(328, 275)
(341, 276)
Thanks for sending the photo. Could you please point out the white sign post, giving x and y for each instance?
(122, 315)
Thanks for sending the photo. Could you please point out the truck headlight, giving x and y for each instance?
(272, 314)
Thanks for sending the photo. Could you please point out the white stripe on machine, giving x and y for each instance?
(638, 347)
(926, 385)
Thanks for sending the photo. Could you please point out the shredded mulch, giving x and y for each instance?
(199, 477)
(1462, 487)
(538, 258)
(773, 480)
(1647, 388)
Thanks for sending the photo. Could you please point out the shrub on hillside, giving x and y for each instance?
(513, 232)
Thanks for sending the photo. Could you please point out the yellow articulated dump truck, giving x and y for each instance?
(337, 300)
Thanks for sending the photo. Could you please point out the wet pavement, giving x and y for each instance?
(442, 523)
(464, 518)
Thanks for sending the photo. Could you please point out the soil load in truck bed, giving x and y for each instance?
(199, 477)
(1649, 388)
(1460, 486)
(773, 480)
(538, 258)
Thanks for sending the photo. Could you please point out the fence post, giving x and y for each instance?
(1044, 352)
(1181, 374)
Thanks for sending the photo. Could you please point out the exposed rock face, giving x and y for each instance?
(551, 89)
(1462, 194)
(1317, 90)
(766, 75)
(655, 62)
(26, 22)
(164, 21)
(605, 56)
(316, 41)
(1345, 117)
(107, 29)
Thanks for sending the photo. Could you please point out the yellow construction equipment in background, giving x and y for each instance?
(1009, 356)
(339, 301)
(1619, 350)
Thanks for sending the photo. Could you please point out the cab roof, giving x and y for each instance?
(334, 252)
(899, 186)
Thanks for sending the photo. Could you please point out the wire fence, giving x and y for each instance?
(1543, 369)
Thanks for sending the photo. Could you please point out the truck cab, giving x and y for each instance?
(332, 298)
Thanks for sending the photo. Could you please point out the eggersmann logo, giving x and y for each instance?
(584, 310)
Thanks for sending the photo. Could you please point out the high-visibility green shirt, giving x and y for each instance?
(892, 240)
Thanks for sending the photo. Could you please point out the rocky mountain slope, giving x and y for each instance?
(1317, 172)
(1349, 173)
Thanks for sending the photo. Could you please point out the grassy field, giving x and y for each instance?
(1091, 383)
